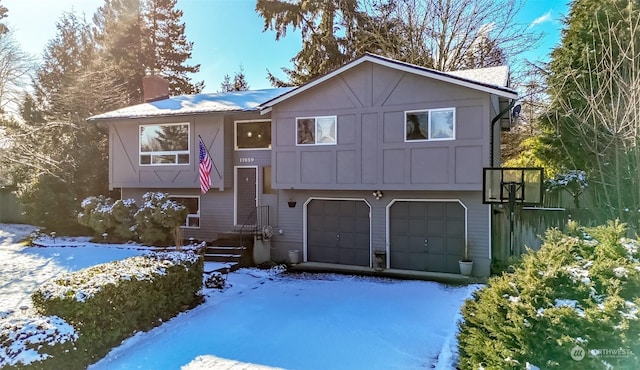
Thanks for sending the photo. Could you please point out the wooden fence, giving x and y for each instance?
(531, 224)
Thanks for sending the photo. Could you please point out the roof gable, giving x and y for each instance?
(492, 80)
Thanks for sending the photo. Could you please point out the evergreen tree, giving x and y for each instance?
(226, 85)
(328, 28)
(118, 32)
(594, 123)
(165, 46)
(239, 82)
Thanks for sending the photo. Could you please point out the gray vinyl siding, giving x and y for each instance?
(369, 102)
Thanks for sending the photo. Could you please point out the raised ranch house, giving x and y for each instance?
(378, 155)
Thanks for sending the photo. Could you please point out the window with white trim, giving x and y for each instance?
(164, 144)
(316, 130)
(430, 124)
(252, 135)
(192, 202)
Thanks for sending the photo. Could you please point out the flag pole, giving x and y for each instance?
(207, 149)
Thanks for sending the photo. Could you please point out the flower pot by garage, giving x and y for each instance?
(294, 256)
(466, 267)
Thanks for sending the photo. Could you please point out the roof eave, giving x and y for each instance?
(441, 76)
(170, 114)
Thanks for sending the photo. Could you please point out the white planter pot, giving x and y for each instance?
(465, 267)
(294, 256)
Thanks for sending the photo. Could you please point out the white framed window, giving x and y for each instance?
(253, 135)
(164, 144)
(316, 130)
(192, 202)
(430, 124)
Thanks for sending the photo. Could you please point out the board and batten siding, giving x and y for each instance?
(369, 102)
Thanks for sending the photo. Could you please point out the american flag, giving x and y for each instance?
(205, 169)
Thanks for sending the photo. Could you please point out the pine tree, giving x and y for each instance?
(226, 85)
(239, 81)
(327, 28)
(165, 47)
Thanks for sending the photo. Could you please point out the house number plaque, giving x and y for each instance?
(247, 160)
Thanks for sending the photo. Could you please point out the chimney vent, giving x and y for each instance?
(154, 88)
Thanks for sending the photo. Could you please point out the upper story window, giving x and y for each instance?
(316, 130)
(253, 135)
(193, 206)
(430, 124)
(164, 144)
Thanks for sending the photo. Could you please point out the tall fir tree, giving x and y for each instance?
(165, 46)
(328, 29)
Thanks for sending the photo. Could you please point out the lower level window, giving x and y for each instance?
(193, 206)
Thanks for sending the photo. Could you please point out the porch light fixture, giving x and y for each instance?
(377, 194)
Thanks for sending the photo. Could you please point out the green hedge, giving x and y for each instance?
(574, 304)
(107, 303)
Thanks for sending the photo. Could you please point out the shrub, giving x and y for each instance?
(25, 340)
(156, 222)
(577, 295)
(107, 303)
(48, 202)
(158, 218)
(102, 215)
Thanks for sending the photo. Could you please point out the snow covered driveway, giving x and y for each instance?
(263, 318)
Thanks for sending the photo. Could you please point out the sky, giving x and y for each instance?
(262, 317)
(228, 34)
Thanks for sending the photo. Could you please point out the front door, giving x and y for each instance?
(246, 190)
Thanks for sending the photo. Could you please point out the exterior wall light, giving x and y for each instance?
(377, 194)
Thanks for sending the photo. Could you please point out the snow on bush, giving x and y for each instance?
(577, 295)
(23, 338)
(156, 220)
(84, 284)
(109, 302)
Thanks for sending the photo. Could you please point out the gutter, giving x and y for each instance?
(493, 124)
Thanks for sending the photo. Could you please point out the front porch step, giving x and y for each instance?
(227, 254)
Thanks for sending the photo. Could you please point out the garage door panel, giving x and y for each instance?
(437, 246)
(436, 210)
(341, 232)
(416, 244)
(455, 229)
(441, 224)
(324, 254)
(454, 210)
(436, 227)
(415, 210)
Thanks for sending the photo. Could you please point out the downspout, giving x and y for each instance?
(493, 124)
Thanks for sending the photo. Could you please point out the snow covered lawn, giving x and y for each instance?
(268, 318)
